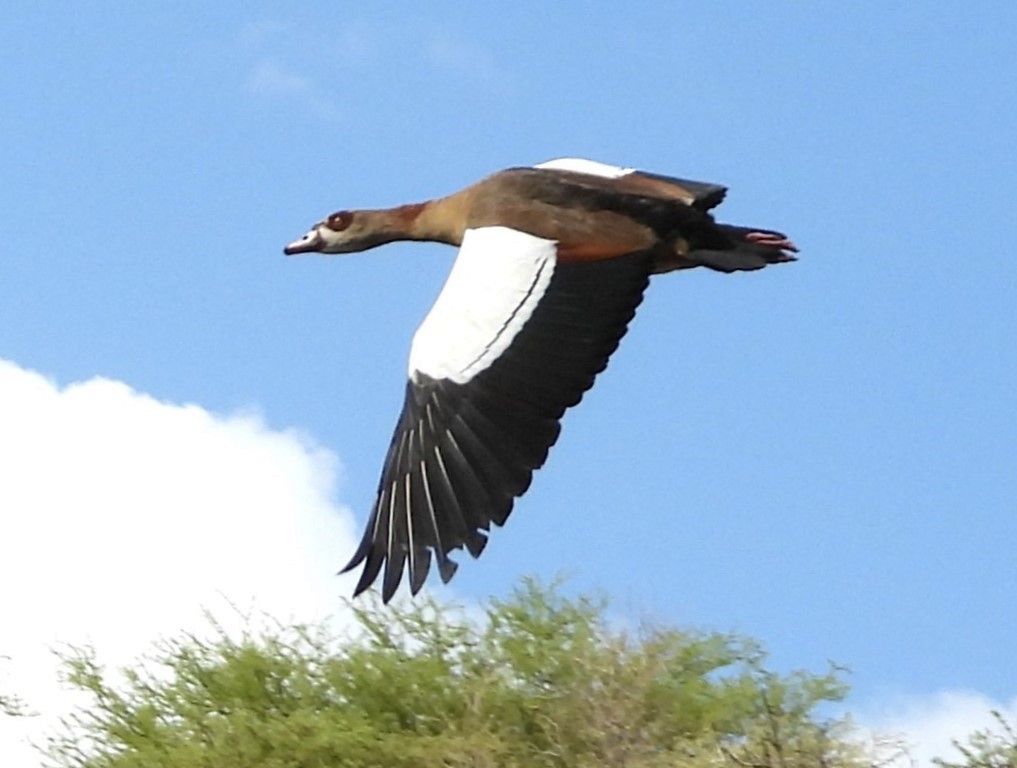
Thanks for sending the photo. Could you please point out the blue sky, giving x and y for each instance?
(822, 455)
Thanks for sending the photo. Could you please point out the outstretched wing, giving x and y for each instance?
(514, 338)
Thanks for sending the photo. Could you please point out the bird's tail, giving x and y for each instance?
(747, 249)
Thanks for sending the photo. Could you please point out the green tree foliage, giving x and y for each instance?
(996, 748)
(536, 680)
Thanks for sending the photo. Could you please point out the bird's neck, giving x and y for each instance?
(439, 221)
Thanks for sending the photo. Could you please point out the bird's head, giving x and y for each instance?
(342, 232)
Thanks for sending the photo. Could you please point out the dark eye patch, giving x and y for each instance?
(339, 221)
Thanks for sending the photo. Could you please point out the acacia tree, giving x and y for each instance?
(538, 680)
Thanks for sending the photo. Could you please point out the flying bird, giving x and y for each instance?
(553, 261)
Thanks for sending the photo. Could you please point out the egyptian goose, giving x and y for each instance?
(553, 261)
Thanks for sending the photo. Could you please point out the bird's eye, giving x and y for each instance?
(339, 221)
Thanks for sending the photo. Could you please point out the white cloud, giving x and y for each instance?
(929, 724)
(464, 58)
(351, 42)
(309, 67)
(271, 79)
(292, 65)
(123, 517)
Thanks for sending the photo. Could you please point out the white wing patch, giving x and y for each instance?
(579, 165)
(497, 280)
